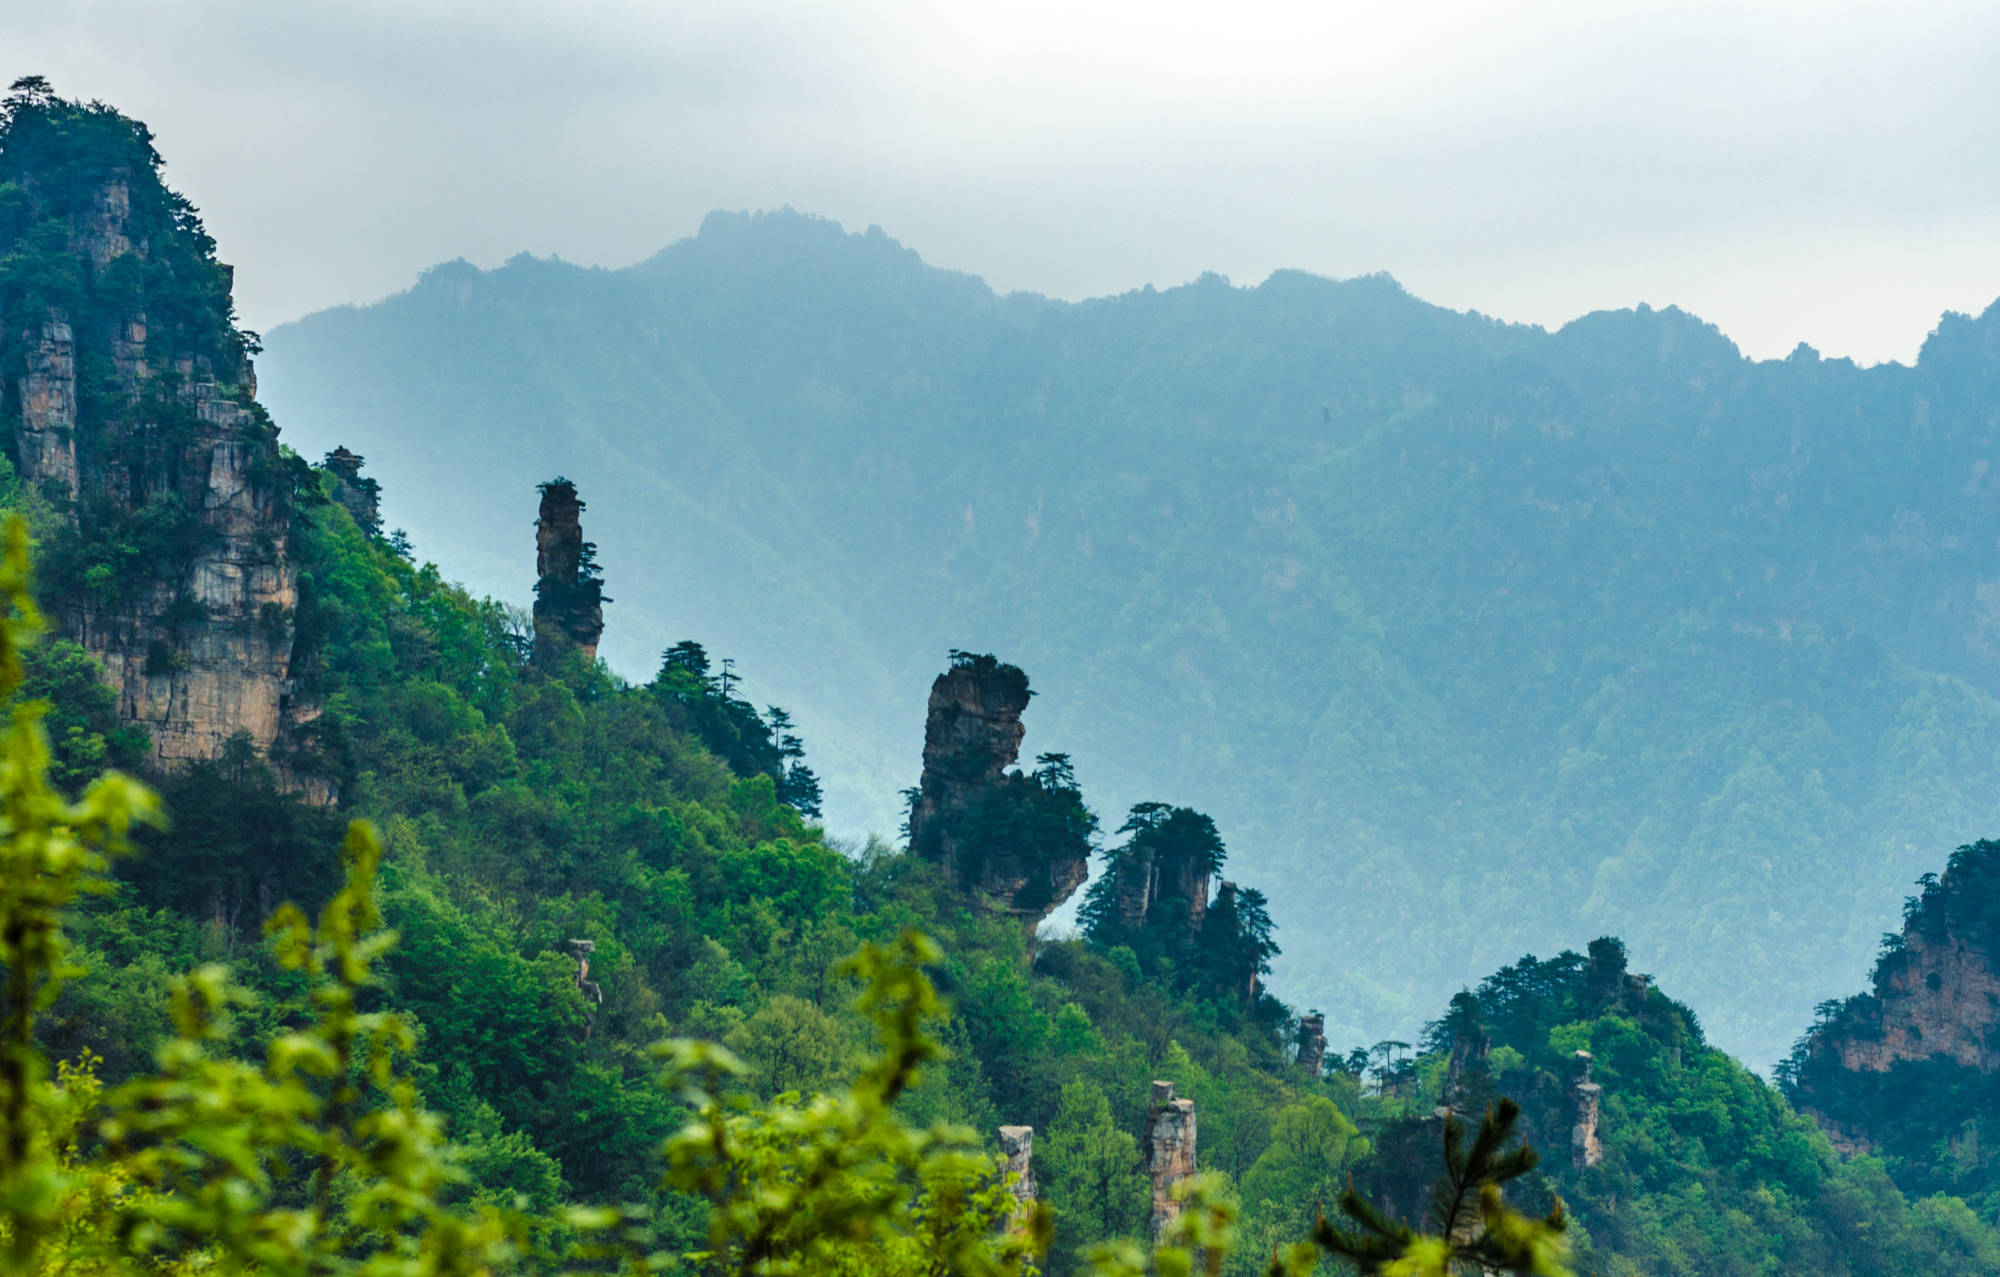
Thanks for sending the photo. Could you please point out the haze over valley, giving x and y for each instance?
(1609, 628)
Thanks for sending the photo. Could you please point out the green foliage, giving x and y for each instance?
(1609, 628)
(1473, 1230)
(1091, 1167)
(299, 1111)
(1160, 873)
(730, 726)
(55, 158)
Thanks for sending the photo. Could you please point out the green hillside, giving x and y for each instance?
(602, 995)
(1607, 629)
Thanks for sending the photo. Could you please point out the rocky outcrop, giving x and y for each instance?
(569, 596)
(1312, 1043)
(1169, 1151)
(1901, 1067)
(1585, 1150)
(147, 437)
(361, 497)
(1161, 877)
(1942, 998)
(1015, 844)
(1017, 1149)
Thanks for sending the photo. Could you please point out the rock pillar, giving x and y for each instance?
(569, 596)
(966, 815)
(198, 644)
(1312, 1043)
(592, 994)
(1169, 1151)
(1585, 1150)
(1017, 1146)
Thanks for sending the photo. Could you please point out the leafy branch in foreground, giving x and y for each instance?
(837, 1183)
(1475, 1229)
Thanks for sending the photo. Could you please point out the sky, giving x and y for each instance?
(1820, 172)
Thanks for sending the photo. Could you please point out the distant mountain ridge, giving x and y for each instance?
(1608, 625)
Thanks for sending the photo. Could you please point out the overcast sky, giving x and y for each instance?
(1822, 171)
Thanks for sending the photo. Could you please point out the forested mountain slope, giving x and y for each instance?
(1608, 627)
(574, 866)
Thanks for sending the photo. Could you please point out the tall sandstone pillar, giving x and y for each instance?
(1017, 1147)
(969, 788)
(1169, 1151)
(1312, 1043)
(569, 597)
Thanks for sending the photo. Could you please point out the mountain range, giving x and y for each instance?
(1474, 638)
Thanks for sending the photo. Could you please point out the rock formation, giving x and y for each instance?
(592, 994)
(360, 497)
(1941, 999)
(1016, 844)
(146, 440)
(1161, 876)
(1887, 1066)
(1017, 1146)
(1584, 1149)
(569, 596)
(1169, 1151)
(1312, 1043)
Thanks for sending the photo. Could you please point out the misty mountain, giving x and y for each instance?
(1601, 630)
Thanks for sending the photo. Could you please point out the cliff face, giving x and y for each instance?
(133, 416)
(1017, 844)
(1907, 1062)
(1942, 999)
(569, 597)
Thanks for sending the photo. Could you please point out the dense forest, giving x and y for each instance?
(1610, 624)
(573, 867)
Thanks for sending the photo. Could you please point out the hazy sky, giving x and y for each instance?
(1818, 171)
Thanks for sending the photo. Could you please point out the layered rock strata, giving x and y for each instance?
(1911, 1055)
(147, 437)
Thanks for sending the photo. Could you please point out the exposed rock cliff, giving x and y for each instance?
(1908, 1061)
(133, 414)
(1940, 998)
(1017, 844)
(1169, 1151)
